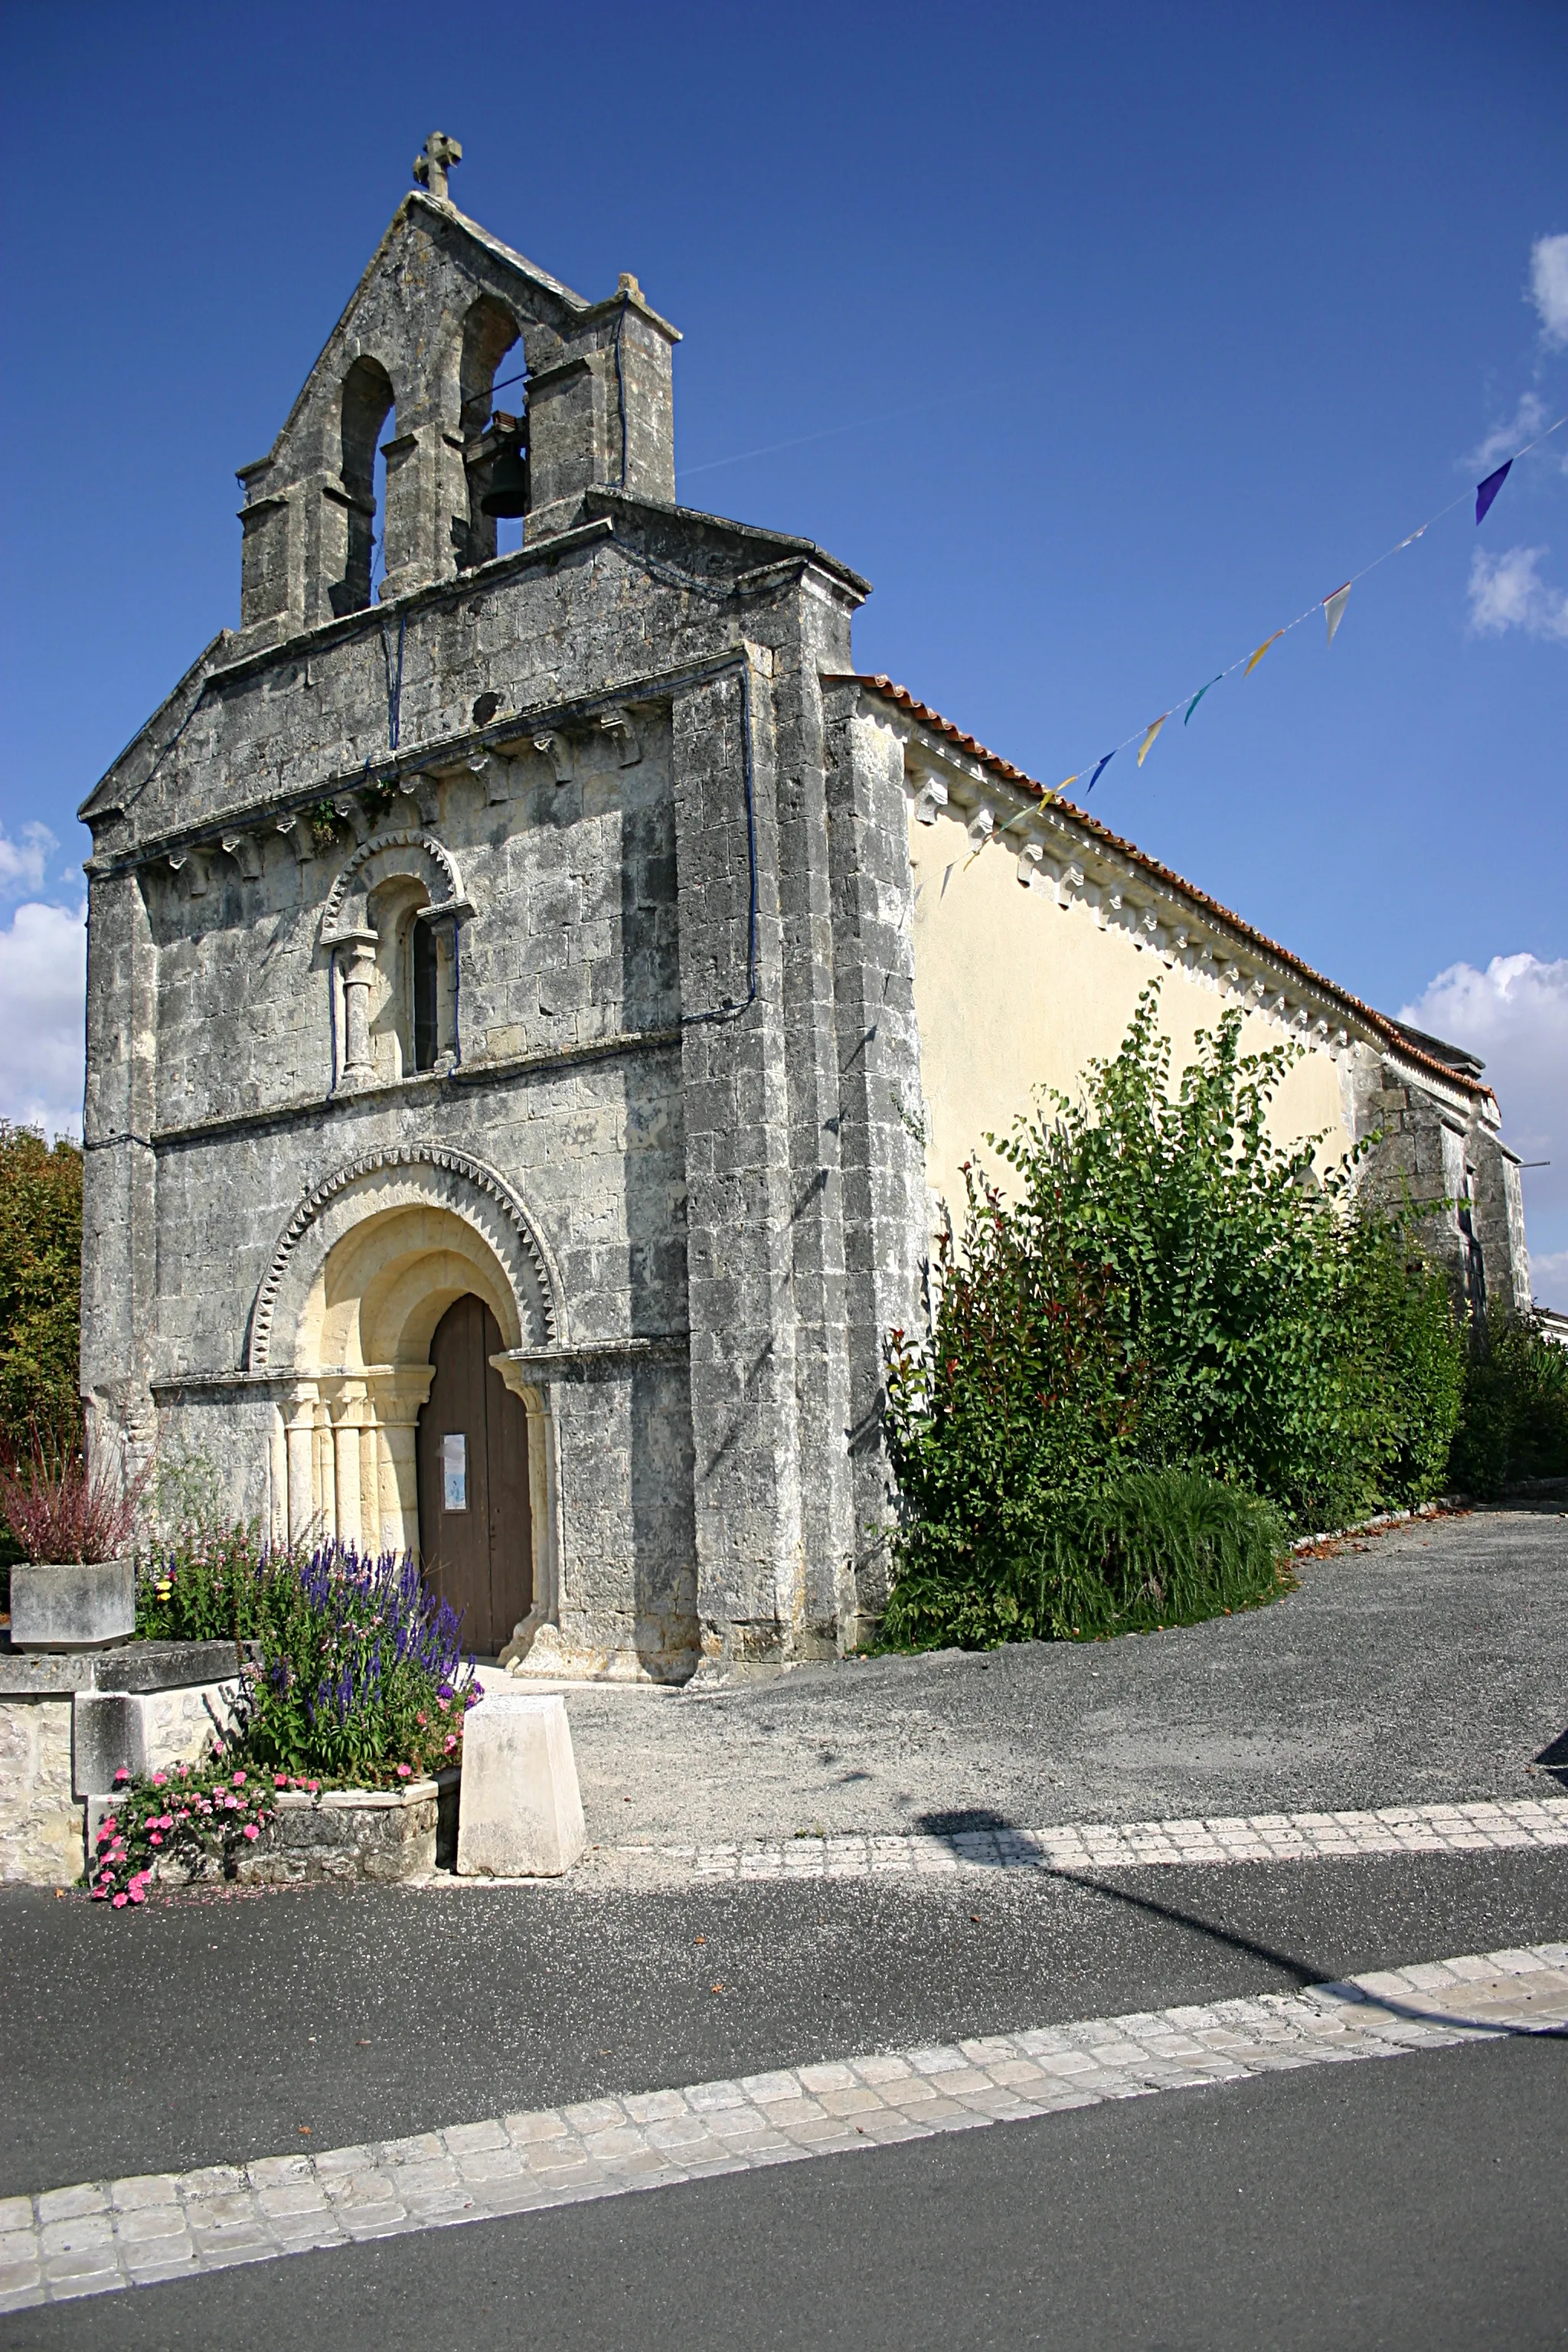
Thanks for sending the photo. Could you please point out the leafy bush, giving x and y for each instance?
(1514, 1422)
(208, 1585)
(1168, 1288)
(1149, 1548)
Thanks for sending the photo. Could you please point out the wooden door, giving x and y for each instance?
(475, 1532)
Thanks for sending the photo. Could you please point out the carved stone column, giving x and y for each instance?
(396, 1392)
(299, 1445)
(359, 973)
(348, 1420)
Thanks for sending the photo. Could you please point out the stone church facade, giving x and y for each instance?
(533, 1010)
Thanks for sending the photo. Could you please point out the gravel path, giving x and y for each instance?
(1426, 1664)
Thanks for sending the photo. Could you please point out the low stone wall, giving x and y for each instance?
(68, 1722)
(42, 1820)
(376, 1834)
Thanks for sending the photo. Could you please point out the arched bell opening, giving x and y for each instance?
(495, 440)
(360, 504)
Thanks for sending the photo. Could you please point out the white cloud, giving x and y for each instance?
(1549, 286)
(21, 863)
(1507, 591)
(1504, 439)
(43, 988)
(1514, 1016)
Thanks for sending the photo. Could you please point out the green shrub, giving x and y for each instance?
(1148, 1549)
(1166, 1289)
(1514, 1420)
(209, 1584)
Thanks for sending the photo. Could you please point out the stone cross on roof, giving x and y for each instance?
(433, 162)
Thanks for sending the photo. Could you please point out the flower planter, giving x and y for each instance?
(72, 1605)
(374, 1835)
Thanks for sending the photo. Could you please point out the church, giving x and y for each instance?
(539, 996)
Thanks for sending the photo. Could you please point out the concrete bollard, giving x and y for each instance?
(520, 1813)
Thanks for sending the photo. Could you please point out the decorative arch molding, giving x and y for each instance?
(384, 855)
(403, 1176)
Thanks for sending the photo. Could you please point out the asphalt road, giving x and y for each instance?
(1350, 2209)
(1412, 2203)
(211, 2031)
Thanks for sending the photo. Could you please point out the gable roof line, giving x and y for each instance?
(1390, 1031)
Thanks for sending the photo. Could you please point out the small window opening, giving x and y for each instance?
(423, 963)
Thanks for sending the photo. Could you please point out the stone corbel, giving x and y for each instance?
(617, 724)
(300, 835)
(199, 861)
(558, 751)
(246, 851)
(931, 798)
(494, 772)
(424, 791)
(354, 814)
(1029, 858)
(980, 827)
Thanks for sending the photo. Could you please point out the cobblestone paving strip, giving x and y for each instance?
(98, 2237)
(1132, 1845)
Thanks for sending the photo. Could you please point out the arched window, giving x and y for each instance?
(494, 442)
(368, 399)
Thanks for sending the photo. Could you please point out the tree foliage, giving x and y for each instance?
(1514, 1424)
(40, 1285)
(1164, 1287)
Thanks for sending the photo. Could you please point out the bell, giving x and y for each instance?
(507, 492)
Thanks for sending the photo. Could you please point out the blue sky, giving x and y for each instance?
(1122, 332)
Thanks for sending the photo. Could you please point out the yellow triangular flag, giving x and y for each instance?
(1262, 649)
(1147, 744)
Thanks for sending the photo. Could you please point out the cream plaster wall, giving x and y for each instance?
(1014, 992)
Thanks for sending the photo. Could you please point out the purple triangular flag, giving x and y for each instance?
(1486, 491)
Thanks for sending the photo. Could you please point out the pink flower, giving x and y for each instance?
(154, 1839)
(251, 1831)
(231, 1804)
(159, 1778)
(314, 1787)
(239, 1779)
(120, 1901)
(450, 1741)
(121, 1774)
(137, 1894)
(402, 1772)
(281, 1780)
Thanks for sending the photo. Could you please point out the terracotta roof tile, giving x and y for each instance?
(1390, 1031)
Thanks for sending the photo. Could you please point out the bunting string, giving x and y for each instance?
(1333, 608)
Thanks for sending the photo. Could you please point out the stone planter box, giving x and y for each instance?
(374, 1835)
(73, 1605)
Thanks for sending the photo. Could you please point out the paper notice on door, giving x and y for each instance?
(455, 1472)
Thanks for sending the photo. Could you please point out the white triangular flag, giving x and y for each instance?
(1334, 608)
